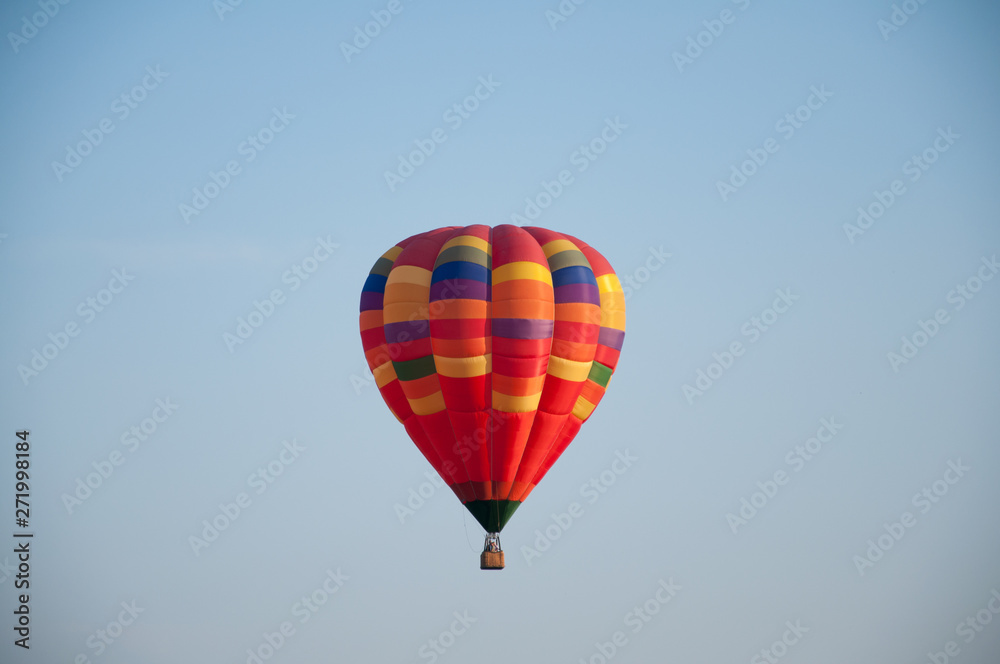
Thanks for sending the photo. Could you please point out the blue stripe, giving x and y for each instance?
(523, 328)
(460, 270)
(576, 274)
(375, 283)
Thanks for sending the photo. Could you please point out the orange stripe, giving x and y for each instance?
(579, 312)
(522, 309)
(403, 311)
(371, 318)
(573, 350)
(377, 356)
(518, 386)
(592, 392)
(421, 387)
(445, 309)
(522, 289)
(405, 292)
(462, 347)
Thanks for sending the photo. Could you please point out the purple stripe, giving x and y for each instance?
(522, 328)
(415, 329)
(577, 293)
(466, 289)
(611, 338)
(370, 300)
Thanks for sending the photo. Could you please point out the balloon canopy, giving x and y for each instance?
(492, 346)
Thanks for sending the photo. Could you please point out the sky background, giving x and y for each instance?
(301, 375)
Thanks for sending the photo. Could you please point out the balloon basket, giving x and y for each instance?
(491, 560)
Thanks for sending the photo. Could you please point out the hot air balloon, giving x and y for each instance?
(492, 346)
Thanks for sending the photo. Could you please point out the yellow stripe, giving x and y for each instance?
(384, 374)
(571, 370)
(522, 270)
(402, 311)
(409, 274)
(607, 283)
(556, 246)
(510, 404)
(583, 409)
(393, 253)
(613, 301)
(615, 319)
(467, 241)
(463, 367)
(428, 405)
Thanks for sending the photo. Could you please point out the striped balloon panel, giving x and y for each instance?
(611, 336)
(492, 346)
(459, 305)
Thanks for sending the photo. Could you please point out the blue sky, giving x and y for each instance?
(206, 89)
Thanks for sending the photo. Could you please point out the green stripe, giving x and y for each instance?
(462, 253)
(568, 258)
(600, 374)
(492, 515)
(414, 369)
(382, 267)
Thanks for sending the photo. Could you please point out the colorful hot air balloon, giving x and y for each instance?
(492, 346)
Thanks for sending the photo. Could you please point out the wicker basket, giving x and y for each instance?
(491, 560)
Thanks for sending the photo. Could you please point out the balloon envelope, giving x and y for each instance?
(492, 346)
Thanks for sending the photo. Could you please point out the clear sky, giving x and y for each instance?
(168, 166)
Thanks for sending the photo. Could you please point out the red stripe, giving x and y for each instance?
(460, 328)
(520, 348)
(466, 394)
(607, 356)
(578, 332)
(372, 338)
(411, 350)
(559, 395)
(520, 367)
